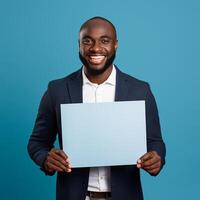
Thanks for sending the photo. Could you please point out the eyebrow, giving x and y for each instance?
(103, 36)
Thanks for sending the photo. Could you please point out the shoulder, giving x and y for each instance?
(60, 83)
(135, 88)
(131, 80)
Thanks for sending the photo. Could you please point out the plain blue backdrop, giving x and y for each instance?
(158, 42)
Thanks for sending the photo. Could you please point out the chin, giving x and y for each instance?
(96, 67)
(96, 70)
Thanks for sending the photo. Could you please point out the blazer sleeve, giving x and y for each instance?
(44, 132)
(154, 137)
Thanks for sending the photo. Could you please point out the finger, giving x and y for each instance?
(57, 163)
(150, 162)
(145, 157)
(148, 156)
(148, 159)
(53, 167)
(59, 169)
(138, 165)
(154, 171)
(59, 158)
(152, 167)
(62, 154)
(141, 161)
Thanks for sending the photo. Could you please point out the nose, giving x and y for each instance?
(95, 47)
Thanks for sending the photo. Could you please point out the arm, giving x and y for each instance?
(154, 159)
(41, 142)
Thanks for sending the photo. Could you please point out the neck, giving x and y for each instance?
(100, 78)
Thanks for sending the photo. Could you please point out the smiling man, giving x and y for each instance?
(97, 81)
(98, 44)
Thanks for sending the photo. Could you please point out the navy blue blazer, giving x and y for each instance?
(125, 180)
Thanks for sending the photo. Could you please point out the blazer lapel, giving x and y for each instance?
(75, 87)
(76, 81)
(121, 91)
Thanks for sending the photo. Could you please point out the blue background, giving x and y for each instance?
(158, 42)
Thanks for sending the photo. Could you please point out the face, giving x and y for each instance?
(97, 46)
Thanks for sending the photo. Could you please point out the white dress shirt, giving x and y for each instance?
(99, 177)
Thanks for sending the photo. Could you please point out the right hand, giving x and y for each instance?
(58, 161)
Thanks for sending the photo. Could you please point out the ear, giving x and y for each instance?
(79, 43)
(116, 44)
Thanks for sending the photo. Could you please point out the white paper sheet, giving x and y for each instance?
(104, 134)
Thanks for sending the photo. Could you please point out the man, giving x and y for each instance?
(98, 81)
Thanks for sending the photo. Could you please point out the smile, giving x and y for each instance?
(96, 59)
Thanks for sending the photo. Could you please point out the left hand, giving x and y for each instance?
(150, 162)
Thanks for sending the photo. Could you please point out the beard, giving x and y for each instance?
(95, 72)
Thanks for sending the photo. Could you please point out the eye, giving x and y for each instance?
(105, 41)
(86, 41)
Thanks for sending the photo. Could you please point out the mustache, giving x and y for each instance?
(95, 72)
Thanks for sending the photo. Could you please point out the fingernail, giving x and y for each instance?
(69, 170)
(139, 161)
(138, 165)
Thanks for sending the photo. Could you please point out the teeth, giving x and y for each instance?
(96, 59)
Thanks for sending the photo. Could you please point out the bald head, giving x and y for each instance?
(94, 22)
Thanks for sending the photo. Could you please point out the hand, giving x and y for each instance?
(150, 162)
(58, 161)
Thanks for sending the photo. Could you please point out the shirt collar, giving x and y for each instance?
(111, 79)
